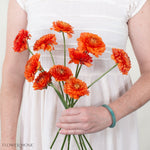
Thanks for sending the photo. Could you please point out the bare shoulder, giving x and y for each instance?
(16, 15)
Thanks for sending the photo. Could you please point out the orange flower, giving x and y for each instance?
(75, 88)
(79, 57)
(32, 67)
(91, 43)
(46, 42)
(60, 72)
(20, 42)
(42, 81)
(61, 26)
(121, 57)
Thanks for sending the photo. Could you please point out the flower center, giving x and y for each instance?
(61, 71)
(64, 24)
(77, 86)
(93, 40)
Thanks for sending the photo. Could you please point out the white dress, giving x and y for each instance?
(41, 110)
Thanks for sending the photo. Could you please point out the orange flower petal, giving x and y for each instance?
(121, 57)
(32, 67)
(75, 88)
(42, 81)
(91, 43)
(61, 26)
(60, 72)
(46, 42)
(20, 42)
(77, 57)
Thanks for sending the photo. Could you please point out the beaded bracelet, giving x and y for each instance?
(112, 115)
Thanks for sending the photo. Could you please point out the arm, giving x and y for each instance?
(93, 119)
(12, 76)
(138, 95)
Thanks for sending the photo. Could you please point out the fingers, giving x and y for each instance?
(74, 126)
(76, 131)
(70, 119)
(72, 132)
(71, 111)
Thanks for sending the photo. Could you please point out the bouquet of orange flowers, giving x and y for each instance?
(70, 87)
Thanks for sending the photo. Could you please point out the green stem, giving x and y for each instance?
(64, 48)
(87, 142)
(76, 142)
(63, 83)
(79, 71)
(60, 96)
(52, 58)
(68, 142)
(83, 143)
(76, 70)
(69, 102)
(29, 49)
(102, 75)
(74, 103)
(80, 141)
(61, 89)
(55, 139)
(64, 142)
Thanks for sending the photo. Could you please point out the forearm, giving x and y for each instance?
(134, 98)
(10, 99)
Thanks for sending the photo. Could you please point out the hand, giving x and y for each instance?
(84, 120)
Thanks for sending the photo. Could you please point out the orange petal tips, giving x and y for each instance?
(121, 57)
(75, 88)
(91, 43)
(32, 66)
(60, 72)
(77, 57)
(61, 26)
(42, 81)
(20, 42)
(46, 42)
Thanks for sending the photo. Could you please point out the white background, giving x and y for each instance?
(143, 113)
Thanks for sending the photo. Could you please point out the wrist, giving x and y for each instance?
(111, 115)
(107, 116)
(117, 110)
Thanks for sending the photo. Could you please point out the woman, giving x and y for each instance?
(113, 20)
